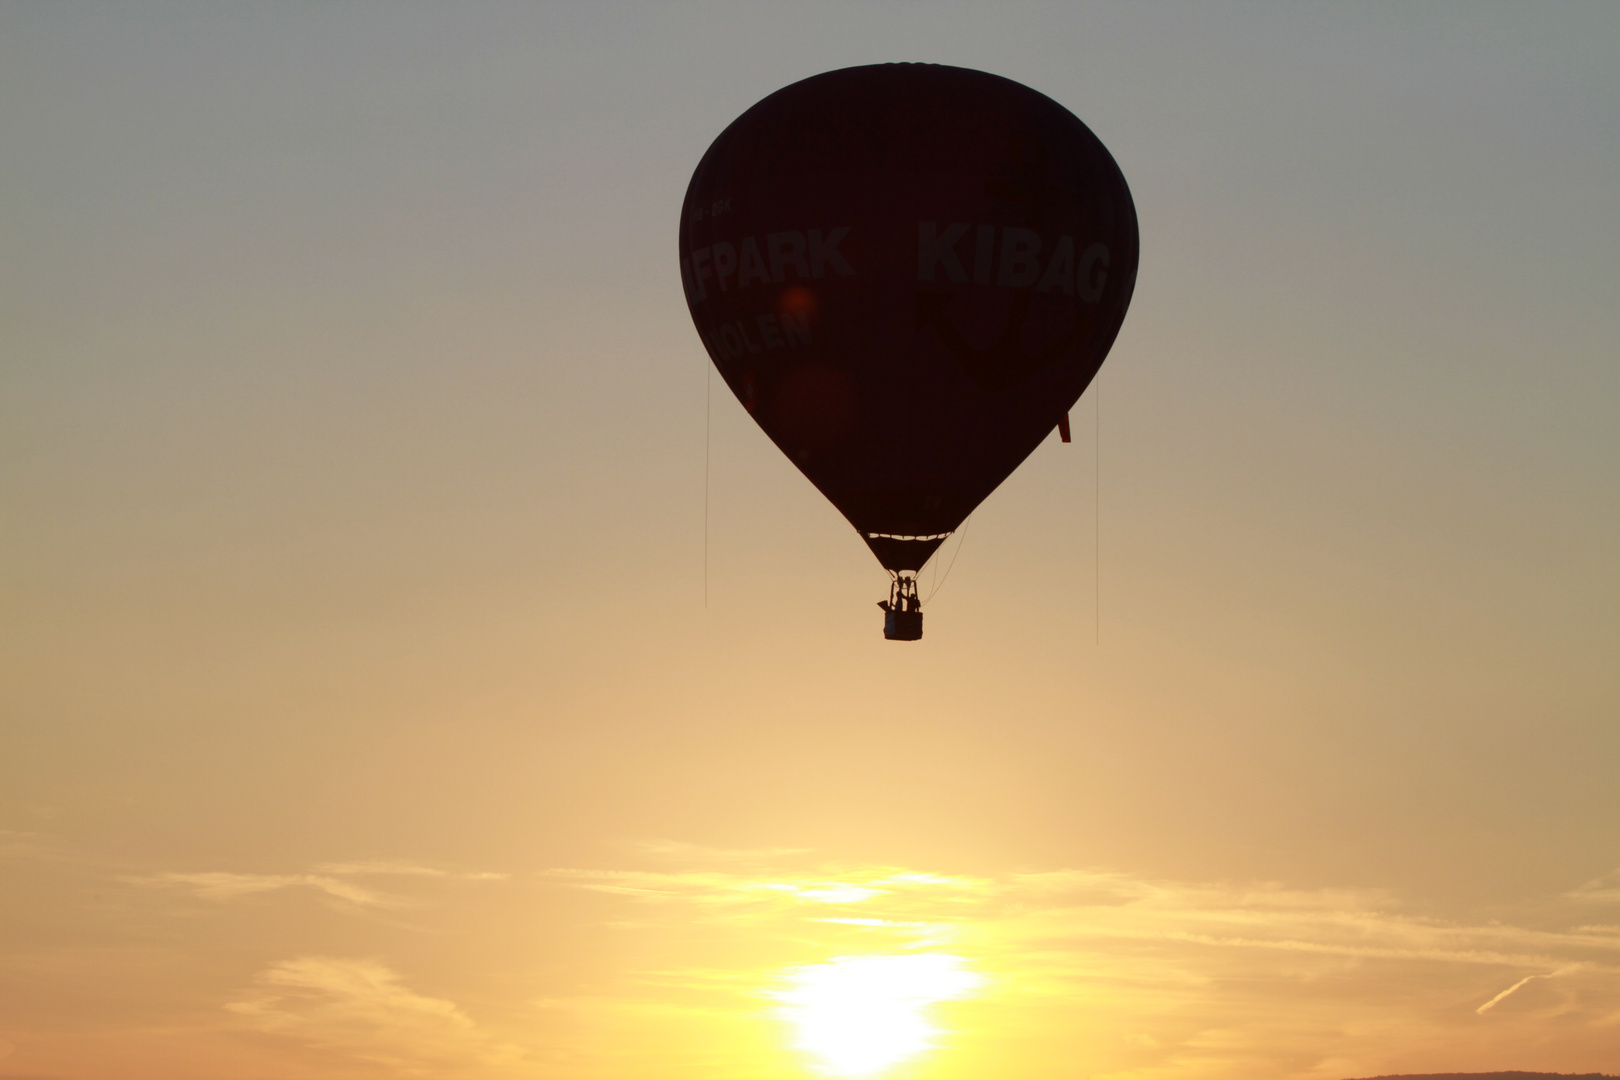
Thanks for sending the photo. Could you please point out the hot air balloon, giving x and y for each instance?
(907, 274)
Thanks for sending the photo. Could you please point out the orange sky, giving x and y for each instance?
(361, 716)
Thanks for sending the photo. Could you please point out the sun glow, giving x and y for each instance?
(856, 1016)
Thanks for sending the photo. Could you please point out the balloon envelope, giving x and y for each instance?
(907, 273)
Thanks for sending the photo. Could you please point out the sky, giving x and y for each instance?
(406, 671)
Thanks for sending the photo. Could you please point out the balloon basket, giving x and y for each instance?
(902, 611)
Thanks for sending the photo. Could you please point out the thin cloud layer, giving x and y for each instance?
(400, 868)
(362, 1009)
(223, 885)
(1164, 978)
(1603, 890)
(673, 967)
(329, 879)
(1079, 905)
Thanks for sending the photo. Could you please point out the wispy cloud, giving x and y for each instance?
(734, 888)
(1600, 890)
(680, 851)
(397, 868)
(333, 880)
(1205, 978)
(1085, 971)
(363, 1009)
(1071, 905)
(1491, 1004)
(223, 885)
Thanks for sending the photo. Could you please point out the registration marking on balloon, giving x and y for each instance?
(1020, 263)
(857, 1017)
(809, 254)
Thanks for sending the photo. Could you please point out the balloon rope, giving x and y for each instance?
(708, 398)
(962, 536)
(1096, 514)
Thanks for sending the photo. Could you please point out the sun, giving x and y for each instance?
(856, 1016)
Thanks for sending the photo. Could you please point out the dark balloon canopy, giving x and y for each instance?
(907, 274)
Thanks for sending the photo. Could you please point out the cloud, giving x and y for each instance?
(384, 867)
(1173, 977)
(726, 888)
(222, 885)
(1072, 906)
(395, 868)
(329, 879)
(362, 1008)
(1491, 1004)
(1600, 890)
(680, 851)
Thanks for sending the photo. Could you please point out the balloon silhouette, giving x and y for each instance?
(907, 274)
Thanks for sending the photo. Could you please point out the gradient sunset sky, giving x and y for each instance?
(361, 712)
